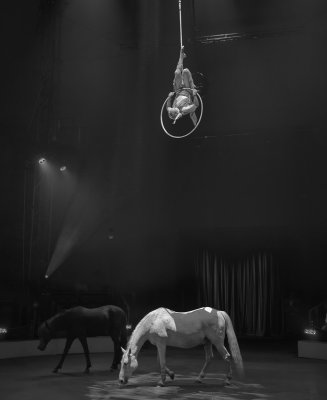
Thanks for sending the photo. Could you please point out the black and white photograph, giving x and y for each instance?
(163, 207)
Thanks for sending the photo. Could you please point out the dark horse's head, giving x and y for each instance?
(44, 334)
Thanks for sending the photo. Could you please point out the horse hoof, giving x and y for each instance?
(55, 371)
(172, 376)
(160, 384)
(86, 371)
(198, 381)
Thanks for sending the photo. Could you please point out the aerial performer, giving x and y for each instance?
(185, 99)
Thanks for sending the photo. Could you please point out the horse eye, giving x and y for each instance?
(125, 362)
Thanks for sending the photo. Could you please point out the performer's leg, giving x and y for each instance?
(178, 79)
(188, 79)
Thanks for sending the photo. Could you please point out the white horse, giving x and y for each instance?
(163, 327)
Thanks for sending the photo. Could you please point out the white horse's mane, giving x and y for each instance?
(142, 328)
(138, 329)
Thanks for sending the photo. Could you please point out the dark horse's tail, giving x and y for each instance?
(118, 324)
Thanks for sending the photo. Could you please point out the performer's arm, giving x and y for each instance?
(188, 109)
(191, 110)
(194, 118)
(169, 100)
(178, 116)
(196, 102)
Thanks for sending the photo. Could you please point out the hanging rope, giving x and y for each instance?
(180, 22)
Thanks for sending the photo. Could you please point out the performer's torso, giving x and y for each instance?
(183, 98)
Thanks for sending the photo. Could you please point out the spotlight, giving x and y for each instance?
(3, 333)
(42, 160)
(46, 276)
(310, 331)
(63, 168)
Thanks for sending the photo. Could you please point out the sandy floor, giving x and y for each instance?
(272, 372)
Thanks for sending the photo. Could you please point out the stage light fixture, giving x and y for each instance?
(63, 168)
(310, 331)
(46, 276)
(3, 333)
(42, 160)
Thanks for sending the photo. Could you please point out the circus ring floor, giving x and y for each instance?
(273, 371)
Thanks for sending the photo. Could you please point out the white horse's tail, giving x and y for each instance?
(233, 344)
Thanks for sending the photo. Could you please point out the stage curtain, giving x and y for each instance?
(248, 289)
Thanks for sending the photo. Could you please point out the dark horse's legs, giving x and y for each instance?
(69, 342)
(83, 341)
(117, 352)
(119, 338)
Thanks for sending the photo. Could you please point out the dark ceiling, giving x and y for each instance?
(83, 82)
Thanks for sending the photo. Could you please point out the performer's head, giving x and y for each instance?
(173, 112)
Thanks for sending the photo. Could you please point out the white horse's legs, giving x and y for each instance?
(226, 357)
(209, 356)
(170, 373)
(161, 347)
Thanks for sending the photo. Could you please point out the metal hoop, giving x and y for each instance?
(187, 134)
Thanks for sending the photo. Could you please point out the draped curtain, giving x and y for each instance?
(248, 289)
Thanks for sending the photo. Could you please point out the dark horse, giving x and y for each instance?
(80, 322)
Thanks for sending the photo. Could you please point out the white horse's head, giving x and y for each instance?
(127, 366)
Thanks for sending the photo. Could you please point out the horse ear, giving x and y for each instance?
(123, 350)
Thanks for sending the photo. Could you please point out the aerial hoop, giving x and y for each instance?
(189, 132)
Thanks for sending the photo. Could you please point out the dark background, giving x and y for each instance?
(83, 82)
